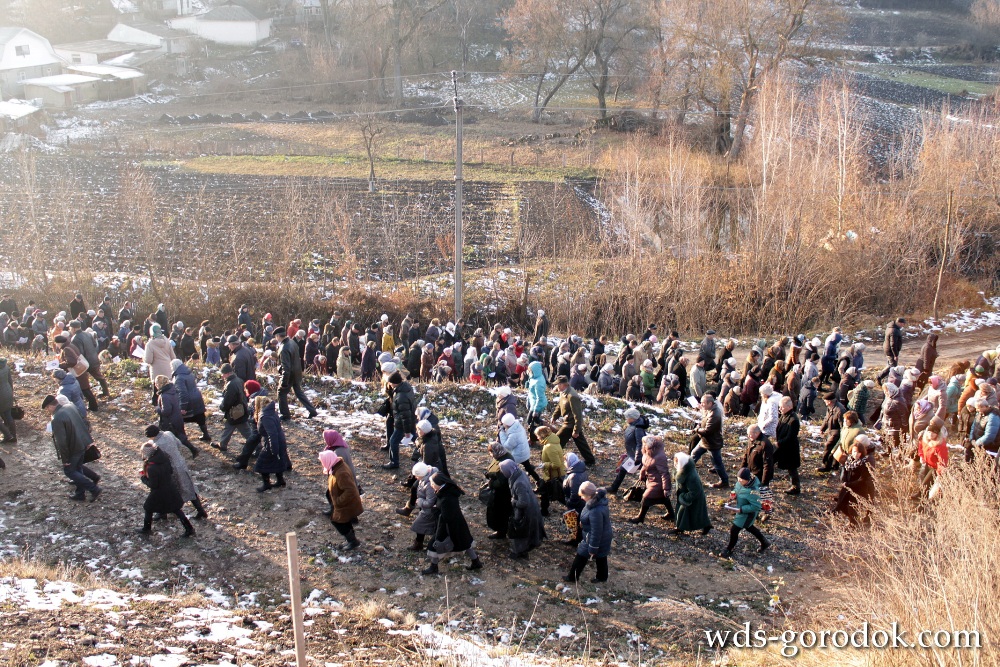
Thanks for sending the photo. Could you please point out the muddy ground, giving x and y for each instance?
(666, 589)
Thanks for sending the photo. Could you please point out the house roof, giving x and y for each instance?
(62, 83)
(101, 47)
(157, 29)
(231, 12)
(14, 109)
(7, 34)
(106, 71)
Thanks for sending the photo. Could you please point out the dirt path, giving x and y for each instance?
(667, 589)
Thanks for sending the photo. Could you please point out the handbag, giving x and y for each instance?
(91, 454)
(634, 494)
(237, 412)
(572, 520)
(17, 413)
(82, 366)
(486, 493)
(445, 546)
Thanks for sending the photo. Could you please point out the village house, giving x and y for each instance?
(155, 35)
(96, 51)
(24, 55)
(230, 24)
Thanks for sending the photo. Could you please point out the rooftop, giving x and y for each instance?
(158, 29)
(15, 109)
(231, 12)
(106, 71)
(62, 83)
(101, 46)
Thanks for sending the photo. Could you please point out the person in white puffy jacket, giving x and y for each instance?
(514, 440)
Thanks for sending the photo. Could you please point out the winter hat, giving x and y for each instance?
(155, 330)
(62, 400)
(424, 426)
(59, 374)
(648, 363)
(503, 392)
(542, 312)
(423, 412)
(388, 368)
(48, 400)
(508, 467)
(152, 431)
(572, 459)
(508, 420)
(420, 469)
(583, 367)
(745, 474)
(863, 440)
(935, 381)
(891, 390)
(175, 364)
(328, 459)
(251, 387)
(587, 490)
(870, 384)
(608, 368)
(384, 357)
(226, 369)
(632, 414)
(385, 318)
(852, 371)
(280, 331)
(681, 459)
(766, 389)
(734, 376)
(333, 439)
(146, 450)
(816, 342)
(396, 378)
(654, 340)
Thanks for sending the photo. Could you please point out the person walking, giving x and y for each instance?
(692, 508)
(748, 506)
(235, 409)
(191, 401)
(515, 440)
(553, 467)
(656, 474)
(759, 455)
(892, 345)
(708, 438)
(170, 445)
(788, 455)
(291, 375)
(8, 427)
(71, 439)
(404, 416)
(273, 457)
(635, 431)
(570, 410)
(157, 356)
(425, 504)
(168, 407)
(597, 533)
(526, 529)
(452, 534)
(343, 494)
(87, 345)
(164, 496)
(538, 401)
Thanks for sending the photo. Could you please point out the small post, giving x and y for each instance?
(944, 253)
(292, 545)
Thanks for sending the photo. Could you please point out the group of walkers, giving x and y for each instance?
(775, 389)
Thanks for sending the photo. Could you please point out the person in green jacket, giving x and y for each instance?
(692, 510)
(748, 501)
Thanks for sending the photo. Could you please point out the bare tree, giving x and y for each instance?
(371, 127)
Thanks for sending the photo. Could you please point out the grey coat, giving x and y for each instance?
(527, 519)
(6, 387)
(169, 444)
(427, 520)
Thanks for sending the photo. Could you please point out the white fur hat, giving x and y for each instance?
(424, 426)
(503, 391)
(508, 420)
(766, 389)
(420, 469)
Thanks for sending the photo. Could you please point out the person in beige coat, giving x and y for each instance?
(158, 355)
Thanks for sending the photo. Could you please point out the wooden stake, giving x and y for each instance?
(292, 544)
(944, 254)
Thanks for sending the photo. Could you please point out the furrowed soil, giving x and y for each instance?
(664, 591)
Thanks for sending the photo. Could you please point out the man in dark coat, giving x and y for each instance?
(88, 348)
(759, 455)
(541, 327)
(788, 455)
(164, 496)
(452, 534)
(291, 375)
(925, 363)
(242, 359)
(71, 439)
(831, 429)
(708, 438)
(570, 410)
(892, 346)
(234, 408)
(404, 416)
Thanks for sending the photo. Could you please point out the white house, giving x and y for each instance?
(155, 35)
(230, 24)
(96, 51)
(24, 55)
(63, 91)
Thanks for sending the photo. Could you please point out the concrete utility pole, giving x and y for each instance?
(459, 285)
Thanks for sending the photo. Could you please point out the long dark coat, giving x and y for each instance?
(168, 406)
(788, 455)
(499, 509)
(526, 529)
(451, 522)
(273, 457)
(692, 509)
(164, 496)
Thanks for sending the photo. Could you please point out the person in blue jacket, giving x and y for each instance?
(748, 501)
(537, 399)
(595, 524)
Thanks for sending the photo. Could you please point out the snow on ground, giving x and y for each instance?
(967, 320)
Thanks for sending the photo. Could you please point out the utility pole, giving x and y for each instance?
(459, 285)
(944, 252)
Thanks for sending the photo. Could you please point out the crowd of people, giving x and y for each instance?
(771, 394)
